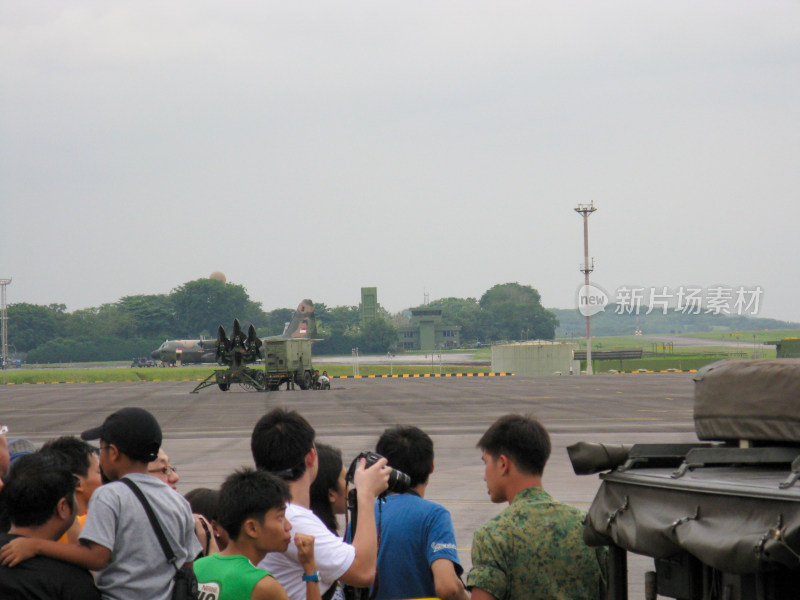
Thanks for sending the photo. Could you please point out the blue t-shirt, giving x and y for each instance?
(414, 533)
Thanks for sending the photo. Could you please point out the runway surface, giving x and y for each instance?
(207, 435)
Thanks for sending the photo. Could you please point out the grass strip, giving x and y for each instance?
(198, 373)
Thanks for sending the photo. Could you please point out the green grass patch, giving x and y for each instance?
(611, 342)
(476, 353)
(745, 337)
(20, 376)
(482, 354)
(679, 362)
(745, 350)
(198, 373)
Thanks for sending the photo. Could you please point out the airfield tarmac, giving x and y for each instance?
(207, 435)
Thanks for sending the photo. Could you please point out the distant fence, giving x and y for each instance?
(609, 354)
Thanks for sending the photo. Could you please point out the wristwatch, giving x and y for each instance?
(313, 577)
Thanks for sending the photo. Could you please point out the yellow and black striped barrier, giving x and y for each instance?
(420, 375)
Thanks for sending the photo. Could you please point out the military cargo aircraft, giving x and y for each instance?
(302, 325)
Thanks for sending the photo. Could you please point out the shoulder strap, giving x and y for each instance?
(162, 539)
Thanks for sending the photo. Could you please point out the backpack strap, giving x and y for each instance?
(162, 539)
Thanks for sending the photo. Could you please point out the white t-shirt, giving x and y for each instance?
(332, 554)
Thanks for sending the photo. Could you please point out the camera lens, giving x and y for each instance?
(399, 482)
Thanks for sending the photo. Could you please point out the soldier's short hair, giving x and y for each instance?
(280, 442)
(521, 438)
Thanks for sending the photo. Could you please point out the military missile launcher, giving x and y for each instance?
(237, 352)
(720, 518)
(285, 360)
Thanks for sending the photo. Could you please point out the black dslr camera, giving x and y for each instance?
(399, 482)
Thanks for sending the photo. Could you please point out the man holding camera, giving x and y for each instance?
(283, 444)
(418, 556)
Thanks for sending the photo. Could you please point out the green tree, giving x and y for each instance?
(67, 350)
(464, 312)
(98, 321)
(82, 323)
(377, 336)
(276, 321)
(338, 320)
(31, 324)
(338, 327)
(147, 316)
(202, 305)
(512, 311)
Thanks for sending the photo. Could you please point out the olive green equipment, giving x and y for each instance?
(288, 361)
(720, 517)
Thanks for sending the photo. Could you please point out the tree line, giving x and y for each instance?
(137, 325)
(614, 322)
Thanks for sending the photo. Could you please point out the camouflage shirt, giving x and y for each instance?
(534, 549)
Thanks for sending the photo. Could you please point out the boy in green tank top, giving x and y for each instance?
(251, 509)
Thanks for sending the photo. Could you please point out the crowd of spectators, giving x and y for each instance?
(77, 520)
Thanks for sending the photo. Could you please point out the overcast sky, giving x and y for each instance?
(307, 149)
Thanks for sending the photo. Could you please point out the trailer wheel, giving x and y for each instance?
(300, 381)
(261, 378)
(224, 386)
(306, 385)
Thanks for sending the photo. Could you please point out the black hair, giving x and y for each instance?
(280, 442)
(249, 494)
(522, 439)
(71, 452)
(34, 487)
(408, 449)
(204, 501)
(330, 468)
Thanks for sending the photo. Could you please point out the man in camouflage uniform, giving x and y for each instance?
(534, 549)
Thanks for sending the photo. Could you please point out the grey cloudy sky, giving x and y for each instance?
(307, 149)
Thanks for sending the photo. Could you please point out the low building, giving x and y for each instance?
(535, 358)
(787, 347)
(427, 333)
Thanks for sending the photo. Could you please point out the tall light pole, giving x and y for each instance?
(585, 210)
(4, 320)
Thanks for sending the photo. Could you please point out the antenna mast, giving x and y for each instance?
(586, 210)
(4, 320)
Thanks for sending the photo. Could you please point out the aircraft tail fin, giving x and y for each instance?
(303, 323)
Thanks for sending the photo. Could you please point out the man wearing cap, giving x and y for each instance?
(19, 447)
(117, 539)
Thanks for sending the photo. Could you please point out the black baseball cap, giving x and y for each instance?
(133, 430)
